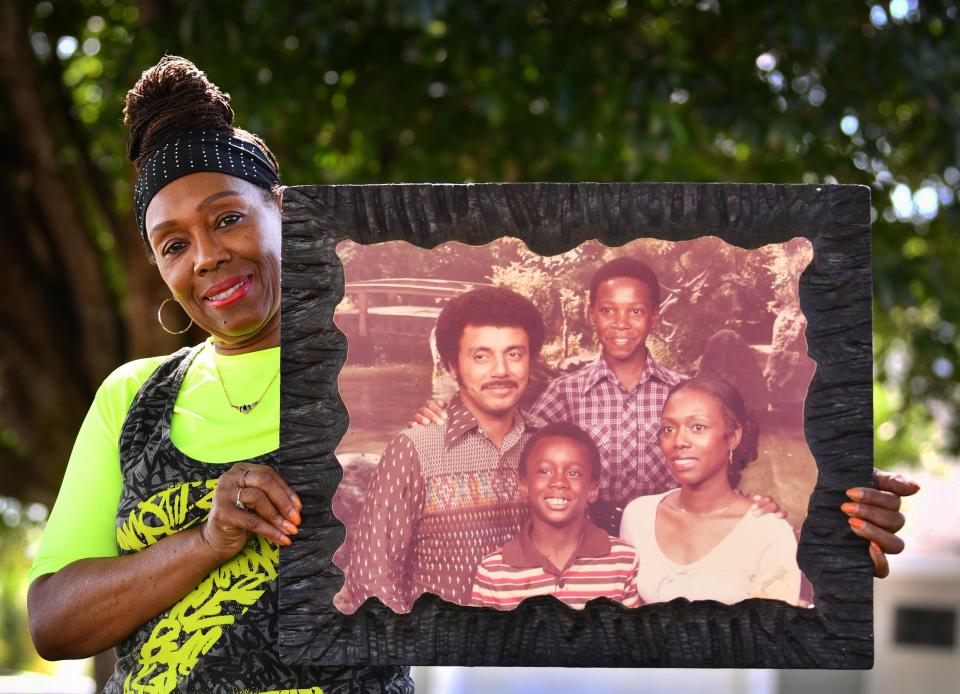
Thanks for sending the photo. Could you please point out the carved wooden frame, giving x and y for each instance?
(835, 295)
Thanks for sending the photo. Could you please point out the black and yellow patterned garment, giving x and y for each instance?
(222, 636)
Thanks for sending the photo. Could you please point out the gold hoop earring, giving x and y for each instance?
(160, 318)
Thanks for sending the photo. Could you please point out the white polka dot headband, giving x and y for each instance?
(200, 151)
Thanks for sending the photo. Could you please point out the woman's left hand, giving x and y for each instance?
(250, 498)
(875, 515)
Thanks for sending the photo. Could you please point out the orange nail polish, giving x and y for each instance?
(857, 523)
(849, 507)
(855, 494)
(875, 548)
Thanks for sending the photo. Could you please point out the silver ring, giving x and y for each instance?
(239, 503)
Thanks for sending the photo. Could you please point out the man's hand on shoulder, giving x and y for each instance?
(762, 505)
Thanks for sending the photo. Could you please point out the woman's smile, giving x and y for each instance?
(684, 464)
(229, 292)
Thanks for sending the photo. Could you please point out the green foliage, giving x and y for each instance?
(430, 90)
(19, 533)
(557, 285)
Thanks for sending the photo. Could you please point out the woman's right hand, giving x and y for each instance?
(248, 499)
(127, 591)
(432, 412)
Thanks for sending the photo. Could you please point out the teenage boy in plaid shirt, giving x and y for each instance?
(618, 398)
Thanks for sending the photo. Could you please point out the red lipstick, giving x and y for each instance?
(229, 291)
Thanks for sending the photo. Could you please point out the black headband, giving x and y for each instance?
(200, 151)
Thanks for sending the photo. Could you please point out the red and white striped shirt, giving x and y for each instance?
(601, 566)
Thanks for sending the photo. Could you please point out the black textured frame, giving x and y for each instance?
(835, 293)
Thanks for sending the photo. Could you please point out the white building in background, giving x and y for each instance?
(917, 609)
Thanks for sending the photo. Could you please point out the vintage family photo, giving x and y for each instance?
(609, 422)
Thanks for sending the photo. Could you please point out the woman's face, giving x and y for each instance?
(695, 439)
(216, 240)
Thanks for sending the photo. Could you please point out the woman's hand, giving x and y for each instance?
(875, 516)
(130, 590)
(432, 412)
(250, 499)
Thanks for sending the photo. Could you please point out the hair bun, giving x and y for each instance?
(749, 447)
(172, 97)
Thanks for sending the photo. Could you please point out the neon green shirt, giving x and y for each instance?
(204, 426)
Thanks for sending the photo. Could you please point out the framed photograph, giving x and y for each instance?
(617, 373)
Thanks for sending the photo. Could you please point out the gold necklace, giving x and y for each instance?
(708, 513)
(247, 408)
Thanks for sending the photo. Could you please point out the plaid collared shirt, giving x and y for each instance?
(442, 497)
(623, 424)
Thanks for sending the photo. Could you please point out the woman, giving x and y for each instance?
(164, 539)
(701, 541)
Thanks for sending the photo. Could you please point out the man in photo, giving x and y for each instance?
(558, 551)
(617, 400)
(445, 495)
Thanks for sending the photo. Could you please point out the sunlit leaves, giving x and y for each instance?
(430, 90)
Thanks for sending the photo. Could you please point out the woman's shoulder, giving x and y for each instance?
(644, 503)
(136, 370)
(132, 375)
(770, 525)
(120, 387)
(638, 516)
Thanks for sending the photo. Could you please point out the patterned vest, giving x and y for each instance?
(222, 636)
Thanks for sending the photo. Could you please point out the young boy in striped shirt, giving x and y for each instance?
(558, 551)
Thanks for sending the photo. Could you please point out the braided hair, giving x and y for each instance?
(172, 98)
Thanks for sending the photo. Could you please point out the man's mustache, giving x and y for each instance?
(502, 383)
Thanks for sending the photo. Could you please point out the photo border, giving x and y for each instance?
(835, 296)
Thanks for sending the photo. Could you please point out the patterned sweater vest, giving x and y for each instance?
(222, 636)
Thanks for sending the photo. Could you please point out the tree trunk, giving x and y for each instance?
(95, 310)
(64, 328)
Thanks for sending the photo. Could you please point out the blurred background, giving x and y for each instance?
(428, 90)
